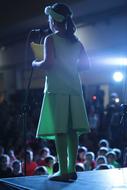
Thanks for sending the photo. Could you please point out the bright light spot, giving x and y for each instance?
(118, 76)
(117, 100)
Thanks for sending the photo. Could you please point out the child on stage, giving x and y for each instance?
(63, 114)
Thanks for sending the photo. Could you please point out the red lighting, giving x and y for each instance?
(94, 97)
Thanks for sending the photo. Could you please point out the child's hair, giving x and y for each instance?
(104, 143)
(103, 160)
(91, 155)
(40, 170)
(80, 167)
(62, 14)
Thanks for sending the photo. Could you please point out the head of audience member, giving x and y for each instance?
(81, 156)
(102, 151)
(11, 154)
(118, 153)
(49, 161)
(102, 167)
(111, 157)
(17, 167)
(101, 160)
(80, 167)
(90, 156)
(44, 152)
(29, 156)
(4, 162)
(40, 170)
(104, 143)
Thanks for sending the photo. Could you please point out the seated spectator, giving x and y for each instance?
(45, 152)
(5, 169)
(30, 164)
(102, 167)
(102, 151)
(90, 163)
(111, 158)
(17, 168)
(81, 156)
(12, 156)
(49, 162)
(118, 155)
(104, 143)
(101, 160)
(80, 167)
(40, 170)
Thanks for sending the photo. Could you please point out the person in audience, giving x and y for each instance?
(81, 155)
(12, 156)
(45, 152)
(17, 168)
(102, 151)
(102, 167)
(101, 160)
(30, 164)
(49, 162)
(118, 155)
(103, 143)
(111, 158)
(5, 169)
(90, 163)
(80, 167)
(41, 170)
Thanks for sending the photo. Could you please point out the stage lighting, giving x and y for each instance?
(118, 76)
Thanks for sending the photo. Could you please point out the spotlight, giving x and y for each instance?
(118, 76)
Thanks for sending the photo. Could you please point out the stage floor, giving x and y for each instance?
(113, 179)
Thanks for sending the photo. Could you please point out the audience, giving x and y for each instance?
(96, 152)
(5, 169)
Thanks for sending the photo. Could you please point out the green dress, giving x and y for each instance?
(63, 105)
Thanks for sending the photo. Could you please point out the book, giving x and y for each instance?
(38, 51)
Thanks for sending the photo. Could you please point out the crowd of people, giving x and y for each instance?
(43, 162)
(103, 148)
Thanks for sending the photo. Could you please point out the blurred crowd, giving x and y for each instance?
(42, 162)
(103, 148)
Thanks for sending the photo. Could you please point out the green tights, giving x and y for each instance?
(66, 145)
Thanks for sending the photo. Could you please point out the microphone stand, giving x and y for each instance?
(25, 107)
(25, 110)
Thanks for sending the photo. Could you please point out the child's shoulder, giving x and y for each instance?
(50, 36)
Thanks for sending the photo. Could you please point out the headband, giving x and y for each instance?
(56, 16)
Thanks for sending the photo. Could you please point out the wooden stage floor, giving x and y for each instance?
(113, 179)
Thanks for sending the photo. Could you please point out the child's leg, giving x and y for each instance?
(72, 139)
(61, 147)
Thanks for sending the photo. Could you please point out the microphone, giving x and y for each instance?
(36, 30)
(45, 31)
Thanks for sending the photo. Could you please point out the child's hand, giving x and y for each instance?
(36, 63)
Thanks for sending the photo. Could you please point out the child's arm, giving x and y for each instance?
(48, 55)
(83, 63)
